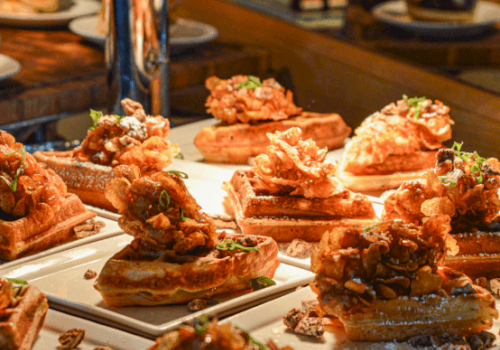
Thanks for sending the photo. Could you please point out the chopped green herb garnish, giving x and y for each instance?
(252, 340)
(180, 173)
(415, 102)
(95, 115)
(200, 324)
(468, 157)
(181, 212)
(17, 281)
(13, 184)
(252, 83)
(164, 203)
(261, 282)
(474, 170)
(19, 289)
(179, 156)
(230, 245)
(369, 228)
(446, 181)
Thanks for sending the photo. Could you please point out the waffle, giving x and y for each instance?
(239, 142)
(27, 235)
(85, 179)
(20, 324)
(387, 282)
(285, 218)
(134, 278)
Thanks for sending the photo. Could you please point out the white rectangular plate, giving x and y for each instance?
(111, 229)
(264, 325)
(60, 276)
(95, 334)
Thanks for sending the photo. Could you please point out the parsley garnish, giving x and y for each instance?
(230, 245)
(415, 102)
(200, 324)
(165, 195)
(181, 211)
(13, 184)
(252, 83)
(95, 115)
(180, 173)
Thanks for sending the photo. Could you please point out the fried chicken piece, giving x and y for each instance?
(26, 188)
(462, 185)
(133, 139)
(245, 99)
(294, 167)
(396, 131)
(159, 211)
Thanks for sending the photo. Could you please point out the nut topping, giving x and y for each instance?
(71, 338)
(89, 274)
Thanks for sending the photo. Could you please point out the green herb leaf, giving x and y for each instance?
(19, 289)
(252, 340)
(17, 281)
(261, 282)
(200, 324)
(369, 228)
(252, 83)
(95, 115)
(476, 169)
(164, 203)
(181, 212)
(479, 160)
(179, 156)
(446, 181)
(13, 184)
(230, 245)
(415, 102)
(180, 173)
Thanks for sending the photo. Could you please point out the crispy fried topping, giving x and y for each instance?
(244, 99)
(356, 267)
(159, 212)
(294, 167)
(457, 187)
(89, 274)
(89, 228)
(474, 341)
(211, 335)
(37, 192)
(299, 249)
(134, 139)
(305, 321)
(71, 338)
(395, 131)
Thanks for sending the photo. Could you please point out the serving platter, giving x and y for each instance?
(38, 20)
(60, 277)
(95, 334)
(8, 67)
(264, 325)
(110, 229)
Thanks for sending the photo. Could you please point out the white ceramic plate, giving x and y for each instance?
(78, 8)
(8, 67)
(95, 334)
(184, 33)
(395, 13)
(264, 325)
(111, 229)
(60, 276)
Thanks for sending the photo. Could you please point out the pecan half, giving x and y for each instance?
(71, 338)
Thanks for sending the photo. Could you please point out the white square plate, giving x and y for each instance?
(111, 229)
(95, 334)
(264, 325)
(60, 276)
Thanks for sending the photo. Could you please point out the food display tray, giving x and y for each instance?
(264, 325)
(60, 276)
(110, 229)
(95, 334)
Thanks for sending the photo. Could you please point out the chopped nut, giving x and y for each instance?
(299, 249)
(103, 348)
(71, 338)
(89, 274)
(482, 282)
(309, 307)
(89, 228)
(310, 326)
(495, 287)
(197, 305)
(292, 318)
(356, 287)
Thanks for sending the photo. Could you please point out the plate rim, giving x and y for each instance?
(380, 13)
(13, 70)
